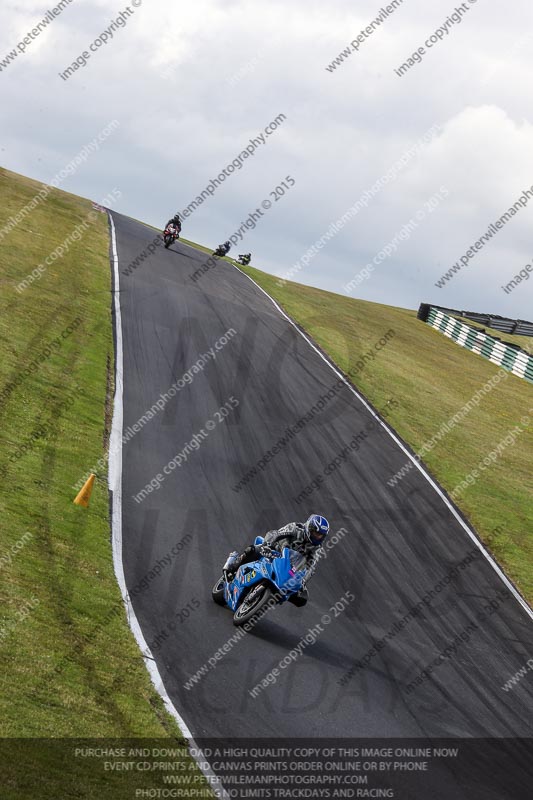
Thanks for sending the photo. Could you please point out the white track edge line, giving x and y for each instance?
(391, 433)
(115, 486)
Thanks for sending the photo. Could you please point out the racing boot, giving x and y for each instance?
(229, 567)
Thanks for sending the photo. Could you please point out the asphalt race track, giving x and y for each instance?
(400, 543)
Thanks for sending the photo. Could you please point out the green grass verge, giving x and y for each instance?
(70, 667)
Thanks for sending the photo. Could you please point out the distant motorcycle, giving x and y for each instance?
(273, 577)
(222, 250)
(170, 234)
(245, 259)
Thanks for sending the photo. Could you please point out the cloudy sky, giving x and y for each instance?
(191, 84)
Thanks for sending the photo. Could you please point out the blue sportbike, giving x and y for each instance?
(268, 581)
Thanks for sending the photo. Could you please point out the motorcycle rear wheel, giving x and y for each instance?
(250, 608)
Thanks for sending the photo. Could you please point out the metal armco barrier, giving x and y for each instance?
(508, 356)
(518, 327)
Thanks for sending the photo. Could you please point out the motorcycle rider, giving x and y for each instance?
(223, 249)
(306, 538)
(174, 221)
(245, 259)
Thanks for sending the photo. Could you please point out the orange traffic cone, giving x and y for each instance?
(84, 495)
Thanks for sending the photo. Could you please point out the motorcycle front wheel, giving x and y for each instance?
(254, 602)
(218, 592)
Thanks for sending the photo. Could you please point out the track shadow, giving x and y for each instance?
(279, 637)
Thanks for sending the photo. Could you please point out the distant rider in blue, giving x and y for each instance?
(304, 537)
